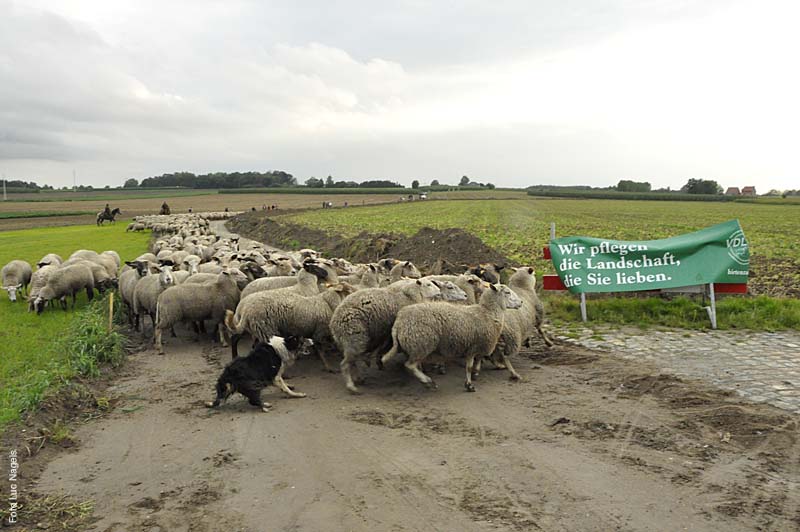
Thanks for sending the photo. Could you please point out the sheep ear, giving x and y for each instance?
(419, 282)
(436, 283)
(493, 287)
(130, 263)
(234, 256)
(531, 270)
(408, 262)
(43, 264)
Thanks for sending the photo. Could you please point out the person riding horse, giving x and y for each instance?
(164, 208)
(108, 214)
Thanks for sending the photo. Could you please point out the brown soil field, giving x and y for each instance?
(210, 202)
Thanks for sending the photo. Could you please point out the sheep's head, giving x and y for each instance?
(428, 289)
(509, 299)
(524, 277)
(487, 271)
(409, 270)
(387, 264)
(12, 291)
(165, 277)
(450, 292)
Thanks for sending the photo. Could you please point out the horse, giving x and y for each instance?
(102, 216)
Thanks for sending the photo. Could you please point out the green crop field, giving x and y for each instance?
(520, 229)
(31, 356)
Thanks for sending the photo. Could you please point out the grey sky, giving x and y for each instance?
(516, 92)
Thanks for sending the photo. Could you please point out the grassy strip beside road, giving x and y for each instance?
(39, 353)
(520, 229)
(42, 214)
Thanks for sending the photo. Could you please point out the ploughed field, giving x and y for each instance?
(519, 228)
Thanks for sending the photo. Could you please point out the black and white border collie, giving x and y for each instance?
(263, 365)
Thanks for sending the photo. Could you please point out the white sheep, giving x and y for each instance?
(190, 302)
(66, 280)
(16, 277)
(271, 313)
(362, 324)
(309, 277)
(50, 259)
(127, 284)
(451, 331)
(147, 290)
(39, 281)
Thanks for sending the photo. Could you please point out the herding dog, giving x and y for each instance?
(261, 367)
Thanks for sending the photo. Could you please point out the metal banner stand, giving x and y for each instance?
(584, 317)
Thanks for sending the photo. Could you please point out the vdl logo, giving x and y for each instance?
(738, 248)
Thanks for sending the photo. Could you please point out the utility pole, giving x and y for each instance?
(5, 196)
(74, 181)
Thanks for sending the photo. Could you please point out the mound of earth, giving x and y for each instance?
(432, 250)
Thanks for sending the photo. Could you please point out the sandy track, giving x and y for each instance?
(637, 452)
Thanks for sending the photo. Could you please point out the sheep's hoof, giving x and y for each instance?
(469, 386)
(353, 390)
(210, 404)
(432, 385)
(514, 377)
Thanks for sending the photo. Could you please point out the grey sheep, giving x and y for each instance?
(362, 324)
(451, 331)
(102, 279)
(147, 290)
(193, 302)
(268, 314)
(50, 259)
(521, 323)
(39, 281)
(309, 277)
(16, 277)
(127, 284)
(471, 284)
(66, 280)
(400, 271)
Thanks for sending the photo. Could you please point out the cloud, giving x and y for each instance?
(516, 94)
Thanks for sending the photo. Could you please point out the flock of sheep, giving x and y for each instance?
(361, 312)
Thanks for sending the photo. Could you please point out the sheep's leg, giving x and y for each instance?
(476, 367)
(320, 349)
(470, 366)
(413, 367)
(235, 345)
(223, 334)
(74, 297)
(514, 375)
(547, 340)
(348, 366)
(157, 341)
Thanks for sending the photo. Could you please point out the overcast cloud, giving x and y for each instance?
(516, 93)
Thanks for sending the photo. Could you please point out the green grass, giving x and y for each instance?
(520, 229)
(42, 214)
(35, 355)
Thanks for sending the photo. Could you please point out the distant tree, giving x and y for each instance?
(633, 186)
(701, 186)
(329, 182)
(773, 192)
(490, 186)
(435, 183)
(464, 181)
(379, 183)
(131, 183)
(415, 184)
(313, 182)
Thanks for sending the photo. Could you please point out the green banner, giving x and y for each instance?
(717, 254)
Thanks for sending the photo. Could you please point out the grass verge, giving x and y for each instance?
(39, 353)
(754, 313)
(42, 214)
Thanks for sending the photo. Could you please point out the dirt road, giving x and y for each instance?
(587, 442)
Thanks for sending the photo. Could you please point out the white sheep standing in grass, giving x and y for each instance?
(16, 277)
(39, 281)
(451, 330)
(66, 280)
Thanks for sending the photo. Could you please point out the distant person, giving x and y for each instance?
(164, 208)
(226, 209)
(190, 209)
(345, 204)
(253, 209)
(107, 211)
(264, 207)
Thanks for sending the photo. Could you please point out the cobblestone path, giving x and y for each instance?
(760, 366)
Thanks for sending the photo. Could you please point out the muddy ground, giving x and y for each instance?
(432, 250)
(586, 442)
